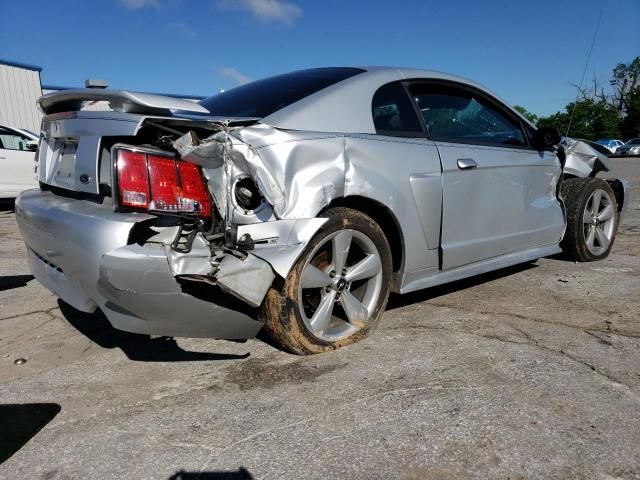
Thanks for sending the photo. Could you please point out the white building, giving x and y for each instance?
(20, 87)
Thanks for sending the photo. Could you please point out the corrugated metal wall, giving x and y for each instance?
(19, 89)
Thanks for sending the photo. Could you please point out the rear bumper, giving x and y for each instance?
(79, 250)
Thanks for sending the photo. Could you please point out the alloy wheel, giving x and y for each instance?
(340, 285)
(598, 222)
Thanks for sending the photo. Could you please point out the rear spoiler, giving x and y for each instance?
(119, 100)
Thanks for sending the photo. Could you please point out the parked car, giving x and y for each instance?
(632, 148)
(295, 204)
(611, 144)
(17, 161)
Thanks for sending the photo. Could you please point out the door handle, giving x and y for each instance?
(467, 163)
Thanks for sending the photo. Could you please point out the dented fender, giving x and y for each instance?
(582, 160)
(280, 243)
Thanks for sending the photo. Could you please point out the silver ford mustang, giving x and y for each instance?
(295, 204)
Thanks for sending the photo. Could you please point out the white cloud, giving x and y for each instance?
(138, 4)
(183, 29)
(265, 10)
(235, 75)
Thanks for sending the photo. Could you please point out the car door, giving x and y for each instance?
(498, 192)
(416, 158)
(17, 163)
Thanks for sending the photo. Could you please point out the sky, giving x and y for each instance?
(529, 53)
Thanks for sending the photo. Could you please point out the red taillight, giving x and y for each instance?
(163, 178)
(161, 183)
(193, 188)
(133, 179)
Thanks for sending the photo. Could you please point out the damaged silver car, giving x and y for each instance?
(297, 203)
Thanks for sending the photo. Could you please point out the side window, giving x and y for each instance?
(458, 115)
(393, 113)
(12, 141)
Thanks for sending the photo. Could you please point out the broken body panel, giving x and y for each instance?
(150, 283)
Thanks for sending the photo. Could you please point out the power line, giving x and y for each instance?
(586, 65)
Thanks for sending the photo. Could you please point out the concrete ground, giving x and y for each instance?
(530, 372)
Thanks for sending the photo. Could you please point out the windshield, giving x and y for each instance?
(634, 141)
(264, 97)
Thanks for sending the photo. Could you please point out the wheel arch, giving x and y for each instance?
(618, 186)
(619, 191)
(383, 216)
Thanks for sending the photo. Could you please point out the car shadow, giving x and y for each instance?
(241, 474)
(9, 282)
(398, 301)
(7, 205)
(561, 257)
(137, 347)
(19, 423)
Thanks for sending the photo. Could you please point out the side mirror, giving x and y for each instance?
(545, 138)
(32, 146)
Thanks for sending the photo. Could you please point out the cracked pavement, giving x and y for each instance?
(528, 372)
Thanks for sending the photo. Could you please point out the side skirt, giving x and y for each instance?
(411, 282)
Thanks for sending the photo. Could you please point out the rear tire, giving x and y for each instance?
(592, 219)
(338, 289)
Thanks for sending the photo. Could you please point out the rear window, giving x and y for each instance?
(393, 113)
(264, 97)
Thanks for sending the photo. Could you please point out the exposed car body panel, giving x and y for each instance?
(90, 264)
(300, 173)
(477, 222)
(583, 160)
(453, 220)
(281, 242)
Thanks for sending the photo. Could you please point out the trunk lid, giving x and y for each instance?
(71, 148)
(73, 152)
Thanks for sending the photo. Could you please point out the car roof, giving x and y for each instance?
(345, 107)
(20, 130)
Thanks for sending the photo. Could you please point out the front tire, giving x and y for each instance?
(338, 289)
(592, 219)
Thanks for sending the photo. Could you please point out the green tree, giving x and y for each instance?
(592, 120)
(626, 97)
(625, 83)
(630, 124)
(598, 114)
(532, 117)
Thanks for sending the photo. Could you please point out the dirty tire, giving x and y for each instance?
(578, 195)
(286, 322)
